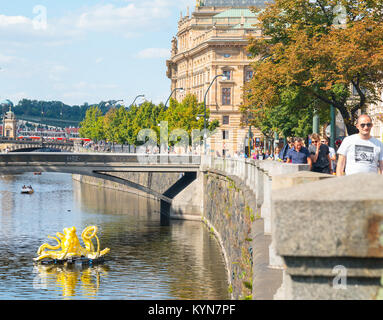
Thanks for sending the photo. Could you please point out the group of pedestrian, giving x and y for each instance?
(357, 153)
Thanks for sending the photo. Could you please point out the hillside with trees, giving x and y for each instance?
(55, 109)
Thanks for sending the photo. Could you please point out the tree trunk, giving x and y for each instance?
(348, 119)
(351, 129)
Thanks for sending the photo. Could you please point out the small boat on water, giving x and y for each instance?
(27, 189)
(37, 173)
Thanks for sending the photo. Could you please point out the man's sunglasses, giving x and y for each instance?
(368, 125)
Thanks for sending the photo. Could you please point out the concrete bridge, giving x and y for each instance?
(106, 166)
(27, 145)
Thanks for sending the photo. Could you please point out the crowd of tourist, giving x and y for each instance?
(357, 153)
(318, 155)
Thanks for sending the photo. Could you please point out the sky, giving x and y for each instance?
(79, 51)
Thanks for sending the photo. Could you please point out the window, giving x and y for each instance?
(227, 74)
(226, 55)
(248, 75)
(225, 120)
(225, 135)
(226, 96)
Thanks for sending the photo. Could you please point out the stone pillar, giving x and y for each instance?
(271, 169)
(280, 182)
(329, 235)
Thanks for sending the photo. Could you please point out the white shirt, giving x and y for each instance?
(361, 155)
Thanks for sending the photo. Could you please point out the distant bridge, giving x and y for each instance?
(101, 165)
(15, 145)
(49, 121)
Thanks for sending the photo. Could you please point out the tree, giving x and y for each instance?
(305, 49)
(184, 115)
(93, 125)
(122, 125)
(291, 116)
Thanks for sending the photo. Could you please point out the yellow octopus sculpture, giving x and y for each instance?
(70, 245)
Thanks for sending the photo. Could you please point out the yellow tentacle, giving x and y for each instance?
(98, 247)
(48, 246)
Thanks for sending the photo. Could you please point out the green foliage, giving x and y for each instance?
(308, 60)
(123, 125)
(248, 285)
(92, 126)
(54, 109)
(230, 289)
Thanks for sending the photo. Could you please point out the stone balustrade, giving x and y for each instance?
(261, 176)
(324, 234)
(329, 234)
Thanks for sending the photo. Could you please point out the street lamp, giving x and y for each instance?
(140, 95)
(249, 118)
(175, 89)
(113, 103)
(333, 126)
(204, 106)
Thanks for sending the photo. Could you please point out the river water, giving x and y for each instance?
(146, 260)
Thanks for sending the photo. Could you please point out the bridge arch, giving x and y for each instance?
(13, 145)
(102, 165)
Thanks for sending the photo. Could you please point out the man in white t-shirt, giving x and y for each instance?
(360, 152)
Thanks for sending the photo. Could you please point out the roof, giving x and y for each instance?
(236, 13)
(233, 3)
(246, 25)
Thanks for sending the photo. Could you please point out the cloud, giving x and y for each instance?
(130, 19)
(55, 71)
(83, 85)
(110, 18)
(17, 96)
(7, 59)
(154, 53)
(6, 21)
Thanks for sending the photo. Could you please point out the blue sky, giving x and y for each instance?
(80, 51)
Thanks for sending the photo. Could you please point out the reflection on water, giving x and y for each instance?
(146, 261)
(70, 279)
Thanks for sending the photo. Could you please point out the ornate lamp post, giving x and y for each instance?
(140, 95)
(175, 89)
(204, 105)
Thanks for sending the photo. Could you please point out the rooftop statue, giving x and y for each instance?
(70, 245)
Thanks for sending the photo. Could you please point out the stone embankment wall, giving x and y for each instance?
(229, 213)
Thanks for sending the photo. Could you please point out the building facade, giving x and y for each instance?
(9, 125)
(212, 41)
(375, 111)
